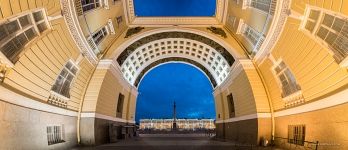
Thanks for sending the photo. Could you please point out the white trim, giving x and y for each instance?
(17, 99)
(275, 30)
(115, 70)
(101, 116)
(246, 117)
(334, 100)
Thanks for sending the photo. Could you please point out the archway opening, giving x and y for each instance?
(183, 83)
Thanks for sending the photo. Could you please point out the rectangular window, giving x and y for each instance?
(16, 33)
(286, 80)
(263, 5)
(119, 109)
(296, 134)
(64, 80)
(90, 4)
(231, 105)
(55, 134)
(99, 35)
(251, 34)
(330, 29)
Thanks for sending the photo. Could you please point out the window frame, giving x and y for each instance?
(64, 97)
(54, 137)
(91, 41)
(319, 23)
(22, 30)
(95, 8)
(278, 80)
(296, 132)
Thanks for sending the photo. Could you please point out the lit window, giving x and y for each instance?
(286, 79)
(64, 80)
(19, 31)
(296, 134)
(330, 30)
(90, 4)
(55, 134)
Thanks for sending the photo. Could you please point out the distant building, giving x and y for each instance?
(181, 124)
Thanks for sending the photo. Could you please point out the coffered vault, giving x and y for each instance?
(212, 58)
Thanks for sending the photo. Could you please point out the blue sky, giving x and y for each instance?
(153, 8)
(185, 84)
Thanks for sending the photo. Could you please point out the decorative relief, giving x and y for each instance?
(132, 31)
(72, 22)
(154, 64)
(58, 100)
(130, 49)
(218, 31)
(3, 70)
(294, 99)
(275, 31)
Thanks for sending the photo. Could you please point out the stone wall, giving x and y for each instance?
(24, 128)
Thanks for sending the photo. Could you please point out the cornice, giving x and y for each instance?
(277, 26)
(72, 22)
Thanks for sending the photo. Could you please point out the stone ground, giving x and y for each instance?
(173, 142)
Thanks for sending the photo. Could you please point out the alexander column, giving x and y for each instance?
(174, 117)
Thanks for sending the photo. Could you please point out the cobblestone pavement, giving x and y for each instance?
(173, 143)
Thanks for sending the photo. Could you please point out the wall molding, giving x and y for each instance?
(22, 101)
(246, 117)
(330, 101)
(274, 33)
(72, 22)
(238, 66)
(105, 117)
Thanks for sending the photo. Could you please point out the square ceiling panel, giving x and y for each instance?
(175, 8)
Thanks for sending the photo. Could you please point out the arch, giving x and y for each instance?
(178, 60)
(139, 36)
(146, 50)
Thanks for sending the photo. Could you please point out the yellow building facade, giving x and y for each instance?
(70, 69)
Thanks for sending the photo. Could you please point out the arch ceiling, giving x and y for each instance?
(149, 51)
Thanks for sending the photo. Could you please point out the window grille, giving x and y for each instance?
(55, 134)
(296, 134)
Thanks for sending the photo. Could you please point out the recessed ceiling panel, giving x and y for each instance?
(175, 8)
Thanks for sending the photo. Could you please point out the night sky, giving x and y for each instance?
(155, 8)
(179, 82)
